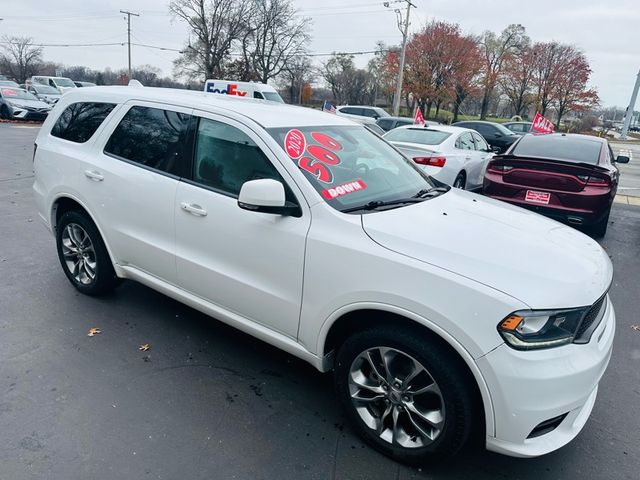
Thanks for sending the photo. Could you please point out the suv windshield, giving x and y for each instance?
(18, 93)
(351, 167)
(63, 82)
(417, 135)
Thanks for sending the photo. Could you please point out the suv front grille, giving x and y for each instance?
(591, 320)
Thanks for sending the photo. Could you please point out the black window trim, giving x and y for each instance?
(189, 152)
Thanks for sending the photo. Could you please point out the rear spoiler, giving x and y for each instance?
(553, 160)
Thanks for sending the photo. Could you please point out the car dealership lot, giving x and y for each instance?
(206, 401)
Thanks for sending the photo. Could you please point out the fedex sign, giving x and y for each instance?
(231, 89)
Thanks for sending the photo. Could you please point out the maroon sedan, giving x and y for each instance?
(571, 178)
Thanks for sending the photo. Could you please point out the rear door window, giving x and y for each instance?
(480, 142)
(153, 138)
(79, 121)
(465, 142)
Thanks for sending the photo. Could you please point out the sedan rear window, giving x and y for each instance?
(559, 147)
(420, 135)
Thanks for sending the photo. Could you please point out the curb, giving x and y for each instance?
(627, 200)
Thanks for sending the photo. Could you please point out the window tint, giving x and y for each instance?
(516, 127)
(465, 142)
(79, 121)
(385, 124)
(560, 147)
(351, 111)
(154, 138)
(226, 157)
(480, 143)
(485, 130)
(370, 112)
(258, 95)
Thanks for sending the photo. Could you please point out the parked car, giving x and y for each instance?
(571, 178)
(17, 103)
(9, 83)
(519, 127)
(45, 93)
(437, 310)
(361, 113)
(62, 84)
(499, 137)
(453, 155)
(84, 84)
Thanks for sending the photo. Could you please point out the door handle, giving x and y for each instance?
(193, 209)
(467, 158)
(93, 175)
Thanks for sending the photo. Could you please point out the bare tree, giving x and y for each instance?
(216, 26)
(337, 72)
(517, 80)
(496, 50)
(20, 58)
(295, 76)
(277, 37)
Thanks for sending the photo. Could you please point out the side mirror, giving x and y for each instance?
(497, 135)
(496, 149)
(622, 159)
(266, 196)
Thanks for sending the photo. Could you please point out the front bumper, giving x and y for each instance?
(530, 387)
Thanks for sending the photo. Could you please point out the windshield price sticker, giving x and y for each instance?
(294, 143)
(321, 157)
(344, 189)
(7, 91)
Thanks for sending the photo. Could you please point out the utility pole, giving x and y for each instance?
(128, 14)
(404, 29)
(632, 105)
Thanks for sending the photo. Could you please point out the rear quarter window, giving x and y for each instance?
(79, 121)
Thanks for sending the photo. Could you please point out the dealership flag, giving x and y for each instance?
(541, 124)
(328, 107)
(419, 119)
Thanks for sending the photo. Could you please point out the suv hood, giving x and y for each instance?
(538, 261)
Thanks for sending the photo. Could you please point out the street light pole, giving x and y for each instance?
(405, 31)
(629, 114)
(128, 14)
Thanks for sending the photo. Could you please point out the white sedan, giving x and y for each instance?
(453, 155)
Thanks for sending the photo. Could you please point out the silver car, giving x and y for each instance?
(45, 93)
(18, 104)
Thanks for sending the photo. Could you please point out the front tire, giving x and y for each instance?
(406, 394)
(83, 255)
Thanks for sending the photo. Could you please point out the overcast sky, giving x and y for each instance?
(605, 31)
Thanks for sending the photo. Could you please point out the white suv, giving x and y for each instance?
(437, 309)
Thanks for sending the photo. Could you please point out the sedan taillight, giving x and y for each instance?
(431, 161)
(498, 167)
(598, 181)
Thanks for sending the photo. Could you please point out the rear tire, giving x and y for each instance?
(83, 255)
(414, 418)
(460, 181)
(4, 112)
(599, 229)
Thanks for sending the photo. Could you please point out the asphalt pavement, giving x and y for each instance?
(208, 402)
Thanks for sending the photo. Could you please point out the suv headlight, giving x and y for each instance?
(531, 330)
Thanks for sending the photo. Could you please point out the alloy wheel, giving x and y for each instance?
(79, 254)
(396, 397)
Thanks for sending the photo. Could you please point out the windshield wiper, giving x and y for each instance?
(379, 203)
(431, 192)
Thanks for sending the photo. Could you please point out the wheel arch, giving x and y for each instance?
(354, 317)
(63, 203)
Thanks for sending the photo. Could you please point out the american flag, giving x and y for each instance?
(328, 107)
